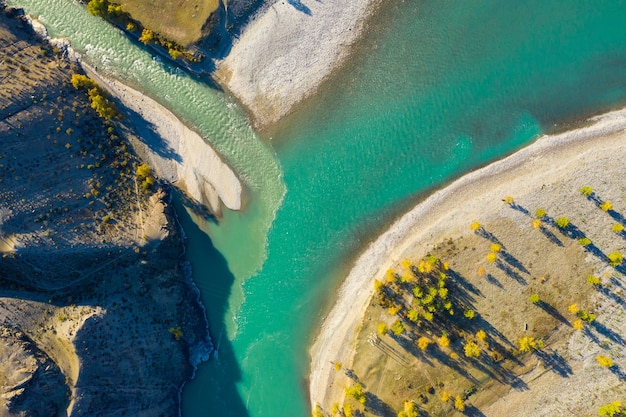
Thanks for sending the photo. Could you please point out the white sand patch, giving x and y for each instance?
(183, 157)
(448, 212)
(285, 53)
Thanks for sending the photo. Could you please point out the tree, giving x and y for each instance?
(147, 36)
(540, 213)
(475, 226)
(492, 257)
(337, 366)
(586, 190)
(578, 324)
(378, 285)
(143, 170)
(617, 228)
(481, 335)
(481, 271)
(423, 343)
(397, 328)
(80, 81)
(459, 403)
(495, 247)
(469, 314)
(445, 396)
(356, 393)
(611, 410)
(584, 241)
(593, 280)
(585, 316)
(562, 223)
(444, 341)
(382, 329)
(348, 411)
(573, 308)
(604, 361)
(536, 224)
(471, 350)
(615, 258)
(98, 7)
(528, 343)
(534, 298)
(409, 410)
(606, 206)
(508, 200)
(317, 412)
(413, 315)
(335, 409)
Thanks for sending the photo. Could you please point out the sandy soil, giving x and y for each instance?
(286, 52)
(597, 150)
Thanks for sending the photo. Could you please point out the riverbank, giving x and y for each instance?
(178, 154)
(591, 153)
(288, 50)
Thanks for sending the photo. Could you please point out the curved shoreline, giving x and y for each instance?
(334, 342)
(288, 50)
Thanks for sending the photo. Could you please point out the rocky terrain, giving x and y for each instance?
(97, 316)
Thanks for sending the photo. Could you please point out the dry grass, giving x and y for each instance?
(179, 20)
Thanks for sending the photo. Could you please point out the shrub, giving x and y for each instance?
(562, 222)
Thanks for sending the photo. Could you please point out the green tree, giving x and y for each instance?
(397, 328)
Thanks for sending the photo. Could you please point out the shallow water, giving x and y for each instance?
(436, 89)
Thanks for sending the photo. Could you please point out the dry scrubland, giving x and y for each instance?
(97, 318)
(533, 323)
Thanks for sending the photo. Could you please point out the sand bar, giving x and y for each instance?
(177, 153)
(447, 212)
(286, 52)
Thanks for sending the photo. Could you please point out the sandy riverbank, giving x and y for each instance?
(445, 213)
(177, 153)
(288, 50)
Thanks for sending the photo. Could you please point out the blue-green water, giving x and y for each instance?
(436, 89)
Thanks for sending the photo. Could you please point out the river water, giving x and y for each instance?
(435, 89)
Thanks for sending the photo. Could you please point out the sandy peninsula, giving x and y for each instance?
(562, 163)
(287, 51)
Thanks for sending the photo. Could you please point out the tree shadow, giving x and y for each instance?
(494, 281)
(608, 333)
(609, 294)
(299, 6)
(513, 261)
(482, 232)
(472, 411)
(551, 236)
(147, 133)
(555, 362)
(618, 372)
(376, 406)
(553, 312)
(510, 272)
(464, 284)
(520, 208)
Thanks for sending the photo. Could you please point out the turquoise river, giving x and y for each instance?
(435, 89)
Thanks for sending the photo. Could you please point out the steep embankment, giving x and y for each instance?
(93, 301)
